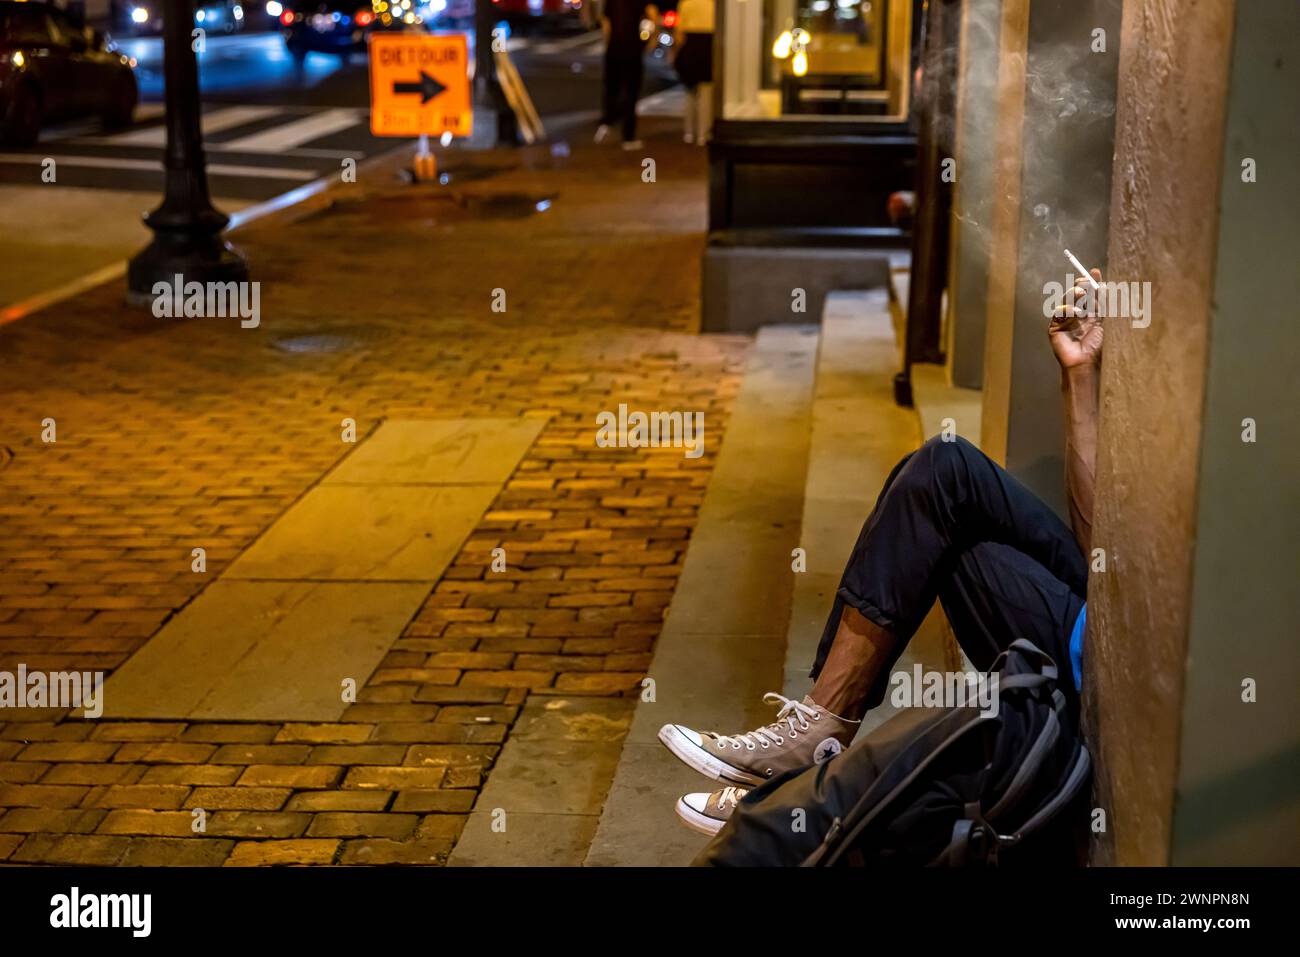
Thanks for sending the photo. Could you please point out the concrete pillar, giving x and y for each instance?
(1200, 525)
(972, 202)
(1051, 188)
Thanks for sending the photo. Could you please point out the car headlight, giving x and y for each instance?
(139, 15)
(239, 12)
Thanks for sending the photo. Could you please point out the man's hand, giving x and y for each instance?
(1075, 331)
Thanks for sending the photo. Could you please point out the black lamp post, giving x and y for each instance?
(187, 227)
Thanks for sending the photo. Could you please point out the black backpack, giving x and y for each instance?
(932, 786)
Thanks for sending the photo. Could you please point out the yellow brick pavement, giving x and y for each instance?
(177, 434)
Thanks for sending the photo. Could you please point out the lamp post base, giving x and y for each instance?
(192, 257)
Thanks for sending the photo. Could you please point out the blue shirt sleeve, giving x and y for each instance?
(1076, 646)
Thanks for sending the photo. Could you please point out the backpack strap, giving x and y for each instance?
(969, 840)
(1046, 664)
(1073, 783)
(1029, 767)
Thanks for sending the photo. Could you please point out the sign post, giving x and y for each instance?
(419, 86)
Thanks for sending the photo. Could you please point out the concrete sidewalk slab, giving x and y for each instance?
(367, 533)
(269, 640)
(541, 805)
(263, 651)
(438, 452)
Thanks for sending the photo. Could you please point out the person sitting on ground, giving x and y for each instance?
(949, 523)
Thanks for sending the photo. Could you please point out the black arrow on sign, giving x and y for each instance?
(427, 87)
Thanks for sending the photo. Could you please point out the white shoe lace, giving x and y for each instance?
(731, 796)
(791, 719)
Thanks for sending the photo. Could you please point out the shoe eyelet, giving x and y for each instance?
(765, 747)
(780, 740)
(736, 746)
(794, 734)
(750, 747)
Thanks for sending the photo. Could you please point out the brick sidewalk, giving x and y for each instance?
(175, 434)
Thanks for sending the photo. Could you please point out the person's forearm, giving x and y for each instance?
(1079, 387)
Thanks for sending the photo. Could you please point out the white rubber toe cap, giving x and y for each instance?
(697, 801)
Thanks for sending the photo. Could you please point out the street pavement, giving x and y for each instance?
(377, 305)
(270, 127)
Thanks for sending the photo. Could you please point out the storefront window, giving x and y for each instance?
(816, 59)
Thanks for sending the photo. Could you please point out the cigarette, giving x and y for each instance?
(1083, 270)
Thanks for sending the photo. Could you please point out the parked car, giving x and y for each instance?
(53, 68)
(144, 17)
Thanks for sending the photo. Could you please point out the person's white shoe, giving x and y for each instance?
(707, 813)
(602, 133)
(688, 137)
(632, 145)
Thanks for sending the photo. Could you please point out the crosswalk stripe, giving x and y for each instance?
(213, 122)
(118, 163)
(288, 135)
(86, 127)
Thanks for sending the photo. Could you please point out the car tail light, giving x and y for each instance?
(287, 17)
(364, 18)
(670, 18)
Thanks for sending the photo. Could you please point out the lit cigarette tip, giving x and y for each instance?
(1083, 270)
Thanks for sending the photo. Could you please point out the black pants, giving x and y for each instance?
(951, 523)
(622, 90)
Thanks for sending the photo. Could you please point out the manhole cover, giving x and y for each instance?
(318, 343)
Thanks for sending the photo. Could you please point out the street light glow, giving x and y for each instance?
(274, 9)
(139, 14)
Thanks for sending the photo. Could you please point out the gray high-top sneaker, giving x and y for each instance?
(708, 812)
(803, 734)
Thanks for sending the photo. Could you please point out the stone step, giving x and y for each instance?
(858, 435)
(723, 641)
(814, 433)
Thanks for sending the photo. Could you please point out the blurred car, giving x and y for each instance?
(546, 14)
(457, 14)
(145, 17)
(338, 26)
(53, 68)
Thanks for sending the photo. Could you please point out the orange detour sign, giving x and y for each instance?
(419, 84)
